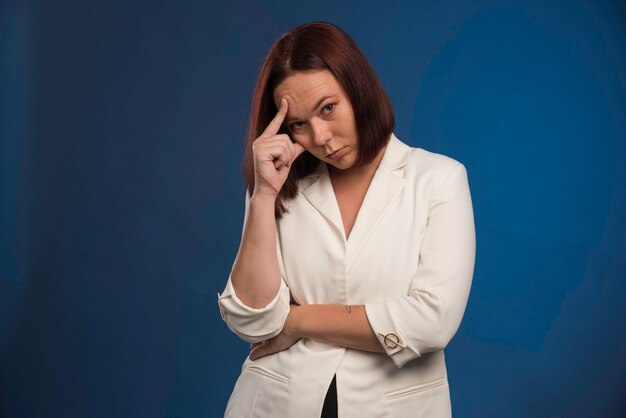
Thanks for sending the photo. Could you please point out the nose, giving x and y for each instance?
(321, 132)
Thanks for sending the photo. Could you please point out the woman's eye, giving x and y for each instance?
(328, 108)
(296, 125)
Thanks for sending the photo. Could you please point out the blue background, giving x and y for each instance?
(121, 195)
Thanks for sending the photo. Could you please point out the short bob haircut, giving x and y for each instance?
(319, 46)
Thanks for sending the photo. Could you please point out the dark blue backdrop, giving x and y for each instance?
(121, 195)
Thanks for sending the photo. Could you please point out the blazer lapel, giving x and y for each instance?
(318, 190)
(386, 185)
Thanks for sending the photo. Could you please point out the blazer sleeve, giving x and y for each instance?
(255, 324)
(427, 318)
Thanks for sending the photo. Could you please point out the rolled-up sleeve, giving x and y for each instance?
(255, 324)
(427, 318)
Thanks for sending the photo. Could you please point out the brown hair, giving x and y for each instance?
(317, 46)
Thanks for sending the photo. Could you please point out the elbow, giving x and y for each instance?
(255, 328)
(253, 338)
(439, 322)
(255, 299)
(444, 337)
(254, 324)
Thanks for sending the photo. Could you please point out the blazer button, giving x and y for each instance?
(391, 340)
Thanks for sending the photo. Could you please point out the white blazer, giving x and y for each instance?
(409, 259)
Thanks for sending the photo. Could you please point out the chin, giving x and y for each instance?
(342, 165)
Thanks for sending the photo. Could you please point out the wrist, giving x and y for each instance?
(262, 198)
(295, 321)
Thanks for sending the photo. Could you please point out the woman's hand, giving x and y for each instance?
(287, 337)
(273, 155)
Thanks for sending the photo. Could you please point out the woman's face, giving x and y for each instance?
(320, 117)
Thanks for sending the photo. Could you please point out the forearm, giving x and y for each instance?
(255, 275)
(341, 325)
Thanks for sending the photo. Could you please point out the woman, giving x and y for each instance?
(357, 251)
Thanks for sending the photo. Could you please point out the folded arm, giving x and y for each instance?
(426, 318)
(340, 325)
(403, 327)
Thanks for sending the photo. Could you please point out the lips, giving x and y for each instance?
(335, 153)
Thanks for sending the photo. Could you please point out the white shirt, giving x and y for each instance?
(409, 259)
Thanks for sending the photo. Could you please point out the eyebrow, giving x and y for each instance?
(319, 102)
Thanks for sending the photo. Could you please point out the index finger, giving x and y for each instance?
(274, 126)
